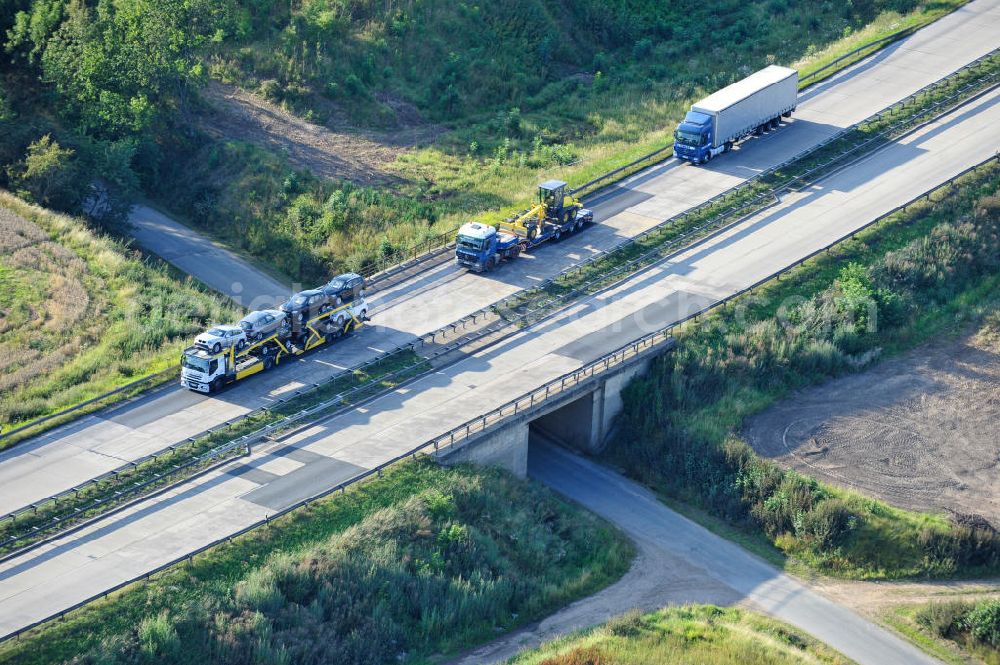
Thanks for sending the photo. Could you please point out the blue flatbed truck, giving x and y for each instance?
(481, 247)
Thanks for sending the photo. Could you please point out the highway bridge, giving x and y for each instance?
(160, 529)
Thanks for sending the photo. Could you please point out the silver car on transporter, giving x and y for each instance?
(222, 337)
(264, 323)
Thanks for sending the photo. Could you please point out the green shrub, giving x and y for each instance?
(973, 625)
(826, 525)
(943, 619)
(983, 623)
(157, 637)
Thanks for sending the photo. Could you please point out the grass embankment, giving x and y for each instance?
(690, 635)
(955, 631)
(421, 561)
(926, 272)
(522, 105)
(83, 314)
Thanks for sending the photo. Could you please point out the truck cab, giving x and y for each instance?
(693, 138)
(480, 247)
(205, 371)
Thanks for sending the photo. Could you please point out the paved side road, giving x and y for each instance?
(681, 562)
(205, 260)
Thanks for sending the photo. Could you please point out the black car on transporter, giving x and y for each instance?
(305, 305)
(344, 288)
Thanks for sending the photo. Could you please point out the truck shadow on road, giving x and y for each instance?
(757, 154)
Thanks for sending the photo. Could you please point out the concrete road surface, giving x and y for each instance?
(682, 562)
(320, 456)
(70, 455)
(206, 260)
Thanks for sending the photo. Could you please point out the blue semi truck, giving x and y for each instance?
(751, 106)
(481, 247)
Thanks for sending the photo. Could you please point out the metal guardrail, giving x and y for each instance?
(509, 304)
(736, 191)
(653, 157)
(433, 247)
(558, 386)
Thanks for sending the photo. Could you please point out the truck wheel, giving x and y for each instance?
(215, 386)
(557, 236)
(579, 224)
(268, 362)
(708, 157)
(728, 147)
(490, 264)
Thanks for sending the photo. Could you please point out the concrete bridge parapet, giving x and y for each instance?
(582, 417)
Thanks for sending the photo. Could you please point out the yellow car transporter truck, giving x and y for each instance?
(206, 372)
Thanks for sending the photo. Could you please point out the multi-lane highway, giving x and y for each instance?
(158, 530)
(72, 454)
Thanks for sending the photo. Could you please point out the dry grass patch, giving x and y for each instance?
(81, 314)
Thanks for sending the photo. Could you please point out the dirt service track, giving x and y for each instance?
(919, 431)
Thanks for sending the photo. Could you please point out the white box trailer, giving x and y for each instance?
(753, 104)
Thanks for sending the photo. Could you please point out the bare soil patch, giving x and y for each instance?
(873, 598)
(331, 151)
(921, 431)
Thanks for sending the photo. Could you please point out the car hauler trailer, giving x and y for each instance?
(751, 106)
(205, 371)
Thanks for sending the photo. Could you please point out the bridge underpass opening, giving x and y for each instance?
(578, 425)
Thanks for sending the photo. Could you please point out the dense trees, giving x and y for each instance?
(106, 84)
(47, 175)
(117, 67)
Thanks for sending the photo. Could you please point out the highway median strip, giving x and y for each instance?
(497, 416)
(115, 490)
(433, 251)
